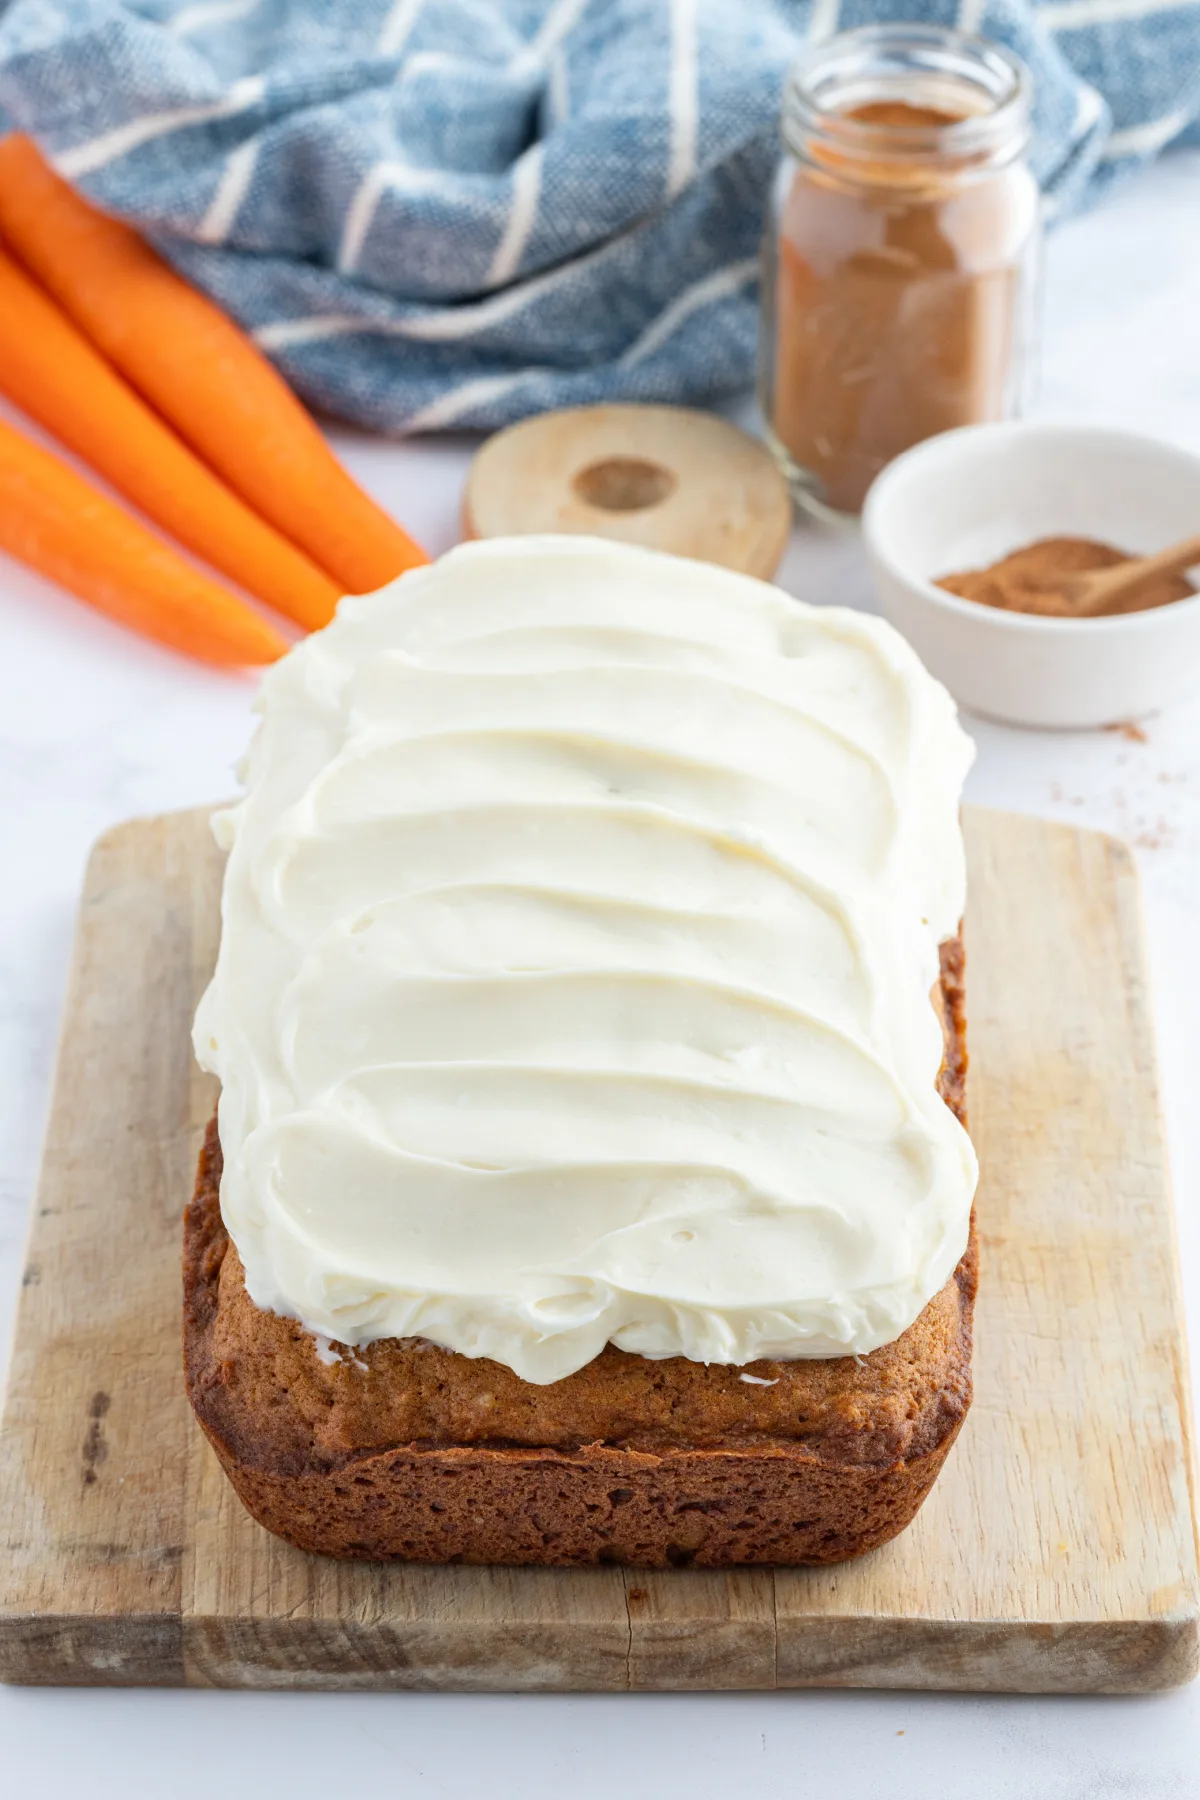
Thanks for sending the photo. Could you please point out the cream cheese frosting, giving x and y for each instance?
(579, 927)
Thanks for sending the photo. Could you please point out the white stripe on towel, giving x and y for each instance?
(555, 26)
(558, 88)
(397, 26)
(683, 96)
(527, 182)
(232, 189)
(1145, 139)
(208, 12)
(286, 334)
(712, 287)
(83, 158)
(433, 328)
(1088, 108)
(427, 62)
(823, 21)
(440, 327)
(463, 321)
(378, 180)
(449, 407)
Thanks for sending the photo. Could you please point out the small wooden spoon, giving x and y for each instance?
(1102, 588)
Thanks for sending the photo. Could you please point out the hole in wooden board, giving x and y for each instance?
(623, 484)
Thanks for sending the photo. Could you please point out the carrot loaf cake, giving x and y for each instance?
(589, 1181)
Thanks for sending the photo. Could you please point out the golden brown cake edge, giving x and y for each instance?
(406, 1450)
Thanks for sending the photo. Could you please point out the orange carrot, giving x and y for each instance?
(51, 370)
(199, 370)
(58, 523)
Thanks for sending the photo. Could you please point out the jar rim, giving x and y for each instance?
(820, 89)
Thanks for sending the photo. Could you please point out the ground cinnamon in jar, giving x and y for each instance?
(905, 224)
(1032, 580)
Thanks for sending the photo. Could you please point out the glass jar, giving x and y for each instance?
(901, 253)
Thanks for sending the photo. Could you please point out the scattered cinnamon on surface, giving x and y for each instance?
(1129, 730)
(1031, 580)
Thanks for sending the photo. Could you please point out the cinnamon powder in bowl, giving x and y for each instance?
(989, 495)
(1031, 580)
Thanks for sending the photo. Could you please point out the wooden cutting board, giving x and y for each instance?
(665, 477)
(1057, 1551)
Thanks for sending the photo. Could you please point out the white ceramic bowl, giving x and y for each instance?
(962, 500)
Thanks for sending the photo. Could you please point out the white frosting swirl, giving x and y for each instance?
(579, 929)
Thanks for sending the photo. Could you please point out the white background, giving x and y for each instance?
(95, 727)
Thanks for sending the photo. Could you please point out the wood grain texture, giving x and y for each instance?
(665, 477)
(1056, 1553)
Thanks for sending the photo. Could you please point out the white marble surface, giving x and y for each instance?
(95, 726)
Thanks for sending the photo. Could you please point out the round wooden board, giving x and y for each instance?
(664, 477)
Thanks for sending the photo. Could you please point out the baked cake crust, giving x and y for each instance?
(403, 1449)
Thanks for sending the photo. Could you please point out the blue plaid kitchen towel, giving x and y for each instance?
(445, 213)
